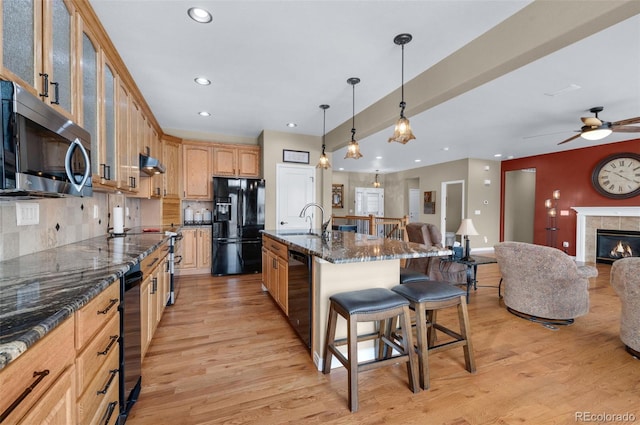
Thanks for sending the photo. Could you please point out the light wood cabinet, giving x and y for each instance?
(236, 161)
(275, 271)
(195, 249)
(39, 50)
(171, 159)
(39, 369)
(197, 171)
(154, 292)
(97, 331)
(57, 406)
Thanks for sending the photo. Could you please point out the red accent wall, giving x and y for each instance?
(569, 172)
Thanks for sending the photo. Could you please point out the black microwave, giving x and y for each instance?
(44, 154)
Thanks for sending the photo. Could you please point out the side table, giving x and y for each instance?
(472, 268)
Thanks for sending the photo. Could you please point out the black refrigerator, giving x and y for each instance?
(238, 217)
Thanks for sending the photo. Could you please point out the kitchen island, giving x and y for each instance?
(347, 261)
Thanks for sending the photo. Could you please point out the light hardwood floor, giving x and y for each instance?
(224, 354)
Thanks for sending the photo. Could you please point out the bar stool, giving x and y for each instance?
(426, 298)
(409, 275)
(369, 305)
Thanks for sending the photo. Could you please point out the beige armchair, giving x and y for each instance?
(543, 284)
(429, 234)
(625, 279)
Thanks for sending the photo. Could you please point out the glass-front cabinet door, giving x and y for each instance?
(108, 168)
(38, 45)
(89, 97)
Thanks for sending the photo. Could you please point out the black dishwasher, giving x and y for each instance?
(299, 294)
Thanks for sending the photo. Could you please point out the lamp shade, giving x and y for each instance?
(596, 133)
(467, 228)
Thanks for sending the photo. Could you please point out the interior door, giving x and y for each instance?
(452, 206)
(369, 200)
(414, 205)
(296, 187)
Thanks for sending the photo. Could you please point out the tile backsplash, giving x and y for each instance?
(62, 221)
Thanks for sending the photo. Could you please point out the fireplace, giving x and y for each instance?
(612, 245)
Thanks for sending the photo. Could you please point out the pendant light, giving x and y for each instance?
(353, 149)
(376, 183)
(402, 132)
(323, 162)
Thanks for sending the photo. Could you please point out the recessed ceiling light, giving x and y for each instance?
(417, 160)
(291, 124)
(498, 155)
(445, 148)
(378, 157)
(204, 114)
(200, 15)
(202, 81)
(341, 169)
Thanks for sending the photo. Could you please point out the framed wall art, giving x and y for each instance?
(337, 195)
(300, 157)
(430, 202)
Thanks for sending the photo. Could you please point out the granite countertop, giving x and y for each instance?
(39, 291)
(348, 247)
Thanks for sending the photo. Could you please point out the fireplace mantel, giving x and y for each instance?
(581, 222)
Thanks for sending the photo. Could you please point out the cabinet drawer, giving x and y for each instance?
(96, 352)
(56, 406)
(276, 247)
(93, 316)
(105, 380)
(108, 410)
(153, 260)
(49, 357)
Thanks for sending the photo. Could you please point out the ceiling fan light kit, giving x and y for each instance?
(402, 132)
(595, 129)
(353, 149)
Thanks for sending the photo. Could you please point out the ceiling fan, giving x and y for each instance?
(595, 129)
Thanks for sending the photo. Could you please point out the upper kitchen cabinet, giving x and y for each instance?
(38, 50)
(236, 160)
(107, 172)
(171, 159)
(197, 170)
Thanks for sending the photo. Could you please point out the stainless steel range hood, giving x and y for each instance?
(150, 165)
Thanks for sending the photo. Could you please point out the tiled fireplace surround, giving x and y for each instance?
(589, 219)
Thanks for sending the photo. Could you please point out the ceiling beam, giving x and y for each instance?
(537, 30)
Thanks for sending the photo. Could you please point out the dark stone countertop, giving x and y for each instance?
(349, 247)
(39, 291)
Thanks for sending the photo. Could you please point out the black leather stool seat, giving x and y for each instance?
(369, 300)
(408, 275)
(432, 290)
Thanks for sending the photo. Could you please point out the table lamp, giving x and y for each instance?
(466, 228)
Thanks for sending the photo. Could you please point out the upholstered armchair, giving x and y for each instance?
(429, 234)
(625, 279)
(542, 283)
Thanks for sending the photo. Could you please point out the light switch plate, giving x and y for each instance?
(27, 213)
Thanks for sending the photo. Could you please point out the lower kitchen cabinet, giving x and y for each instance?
(154, 293)
(275, 270)
(195, 249)
(57, 406)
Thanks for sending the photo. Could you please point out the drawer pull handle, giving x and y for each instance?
(155, 260)
(25, 393)
(107, 414)
(113, 339)
(113, 373)
(112, 302)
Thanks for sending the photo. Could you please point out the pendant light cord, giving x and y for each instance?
(353, 112)
(324, 120)
(402, 104)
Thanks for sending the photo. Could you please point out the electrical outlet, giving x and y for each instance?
(565, 244)
(27, 213)
(96, 212)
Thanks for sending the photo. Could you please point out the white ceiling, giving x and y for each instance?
(274, 62)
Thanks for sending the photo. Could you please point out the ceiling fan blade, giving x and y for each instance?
(626, 129)
(591, 121)
(627, 121)
(570, 139)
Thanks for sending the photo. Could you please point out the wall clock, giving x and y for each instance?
(617, 176)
